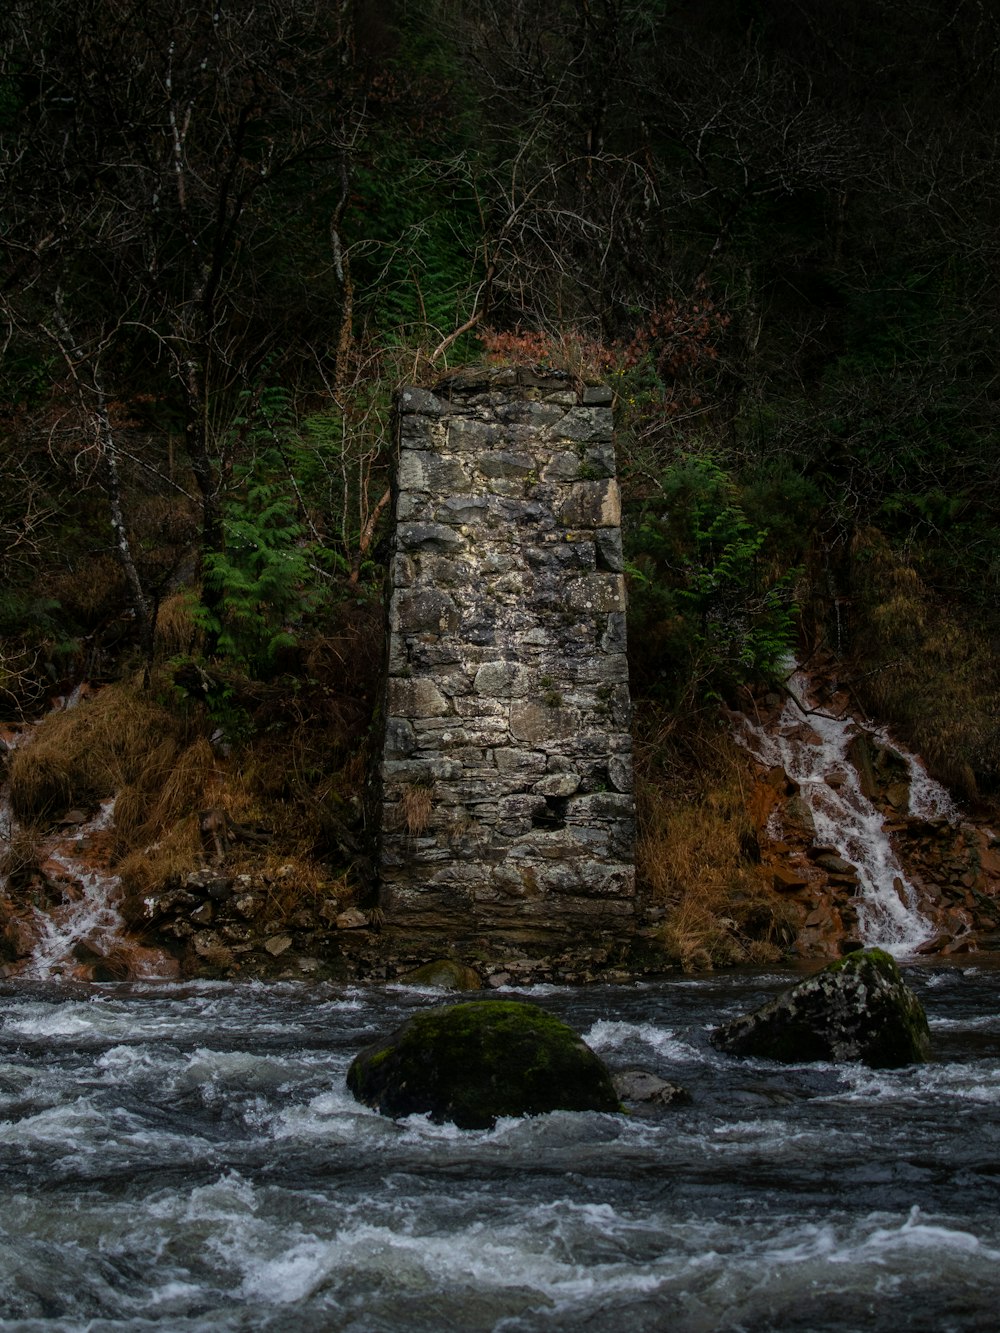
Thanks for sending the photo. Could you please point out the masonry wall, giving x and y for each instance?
(507, 773)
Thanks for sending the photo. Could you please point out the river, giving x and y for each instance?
(187, 1157)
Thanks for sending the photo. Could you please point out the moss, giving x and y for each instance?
(471, 1063)
(878, 958)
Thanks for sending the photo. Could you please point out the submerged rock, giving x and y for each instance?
(858, 1008)
(640, 1085)
(471, 1063)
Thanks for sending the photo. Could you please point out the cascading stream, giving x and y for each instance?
(92, 919)
(816, 757)
(88, 918)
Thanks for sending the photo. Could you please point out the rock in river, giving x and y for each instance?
(858, 1008)
(444, 974)
(471, 1063)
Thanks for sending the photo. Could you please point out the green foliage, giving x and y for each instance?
(719, 612)
(264, 579)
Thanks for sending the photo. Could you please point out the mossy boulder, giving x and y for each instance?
(857, 1009)
(444, 974)
(471, 1063)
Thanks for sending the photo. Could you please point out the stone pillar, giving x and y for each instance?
(507, 809)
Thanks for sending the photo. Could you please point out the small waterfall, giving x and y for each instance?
(84, 934)
(812, 746)
(90, 923)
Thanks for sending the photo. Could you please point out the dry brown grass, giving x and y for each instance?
(932, 677)
(20, 857)
(692, 852)
(295, 884)
(176, 632)
(173, 784)
(148, 869)
(87, 753)
(416, 803)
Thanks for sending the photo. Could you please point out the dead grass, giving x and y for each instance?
(295, 884)
(87, 753)
(693, 851)
(176, 633)
(933, 678)
(415, 805)
(148, 869)
(20, 856)
(173, 784)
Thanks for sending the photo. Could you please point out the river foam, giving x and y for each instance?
(198, 1164)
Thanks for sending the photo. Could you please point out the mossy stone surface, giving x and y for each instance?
(857, 1009)
(472, 1063)
(444, 974)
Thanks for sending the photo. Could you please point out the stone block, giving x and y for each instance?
(558, 784)
(421, 609)
(423, 402)
(469, 436)
(461, 510)
(502, 680)
(400, 739)
(598, 593)
(597, 458)
(590, 504)
(537, 723)
(615, 636)
(522, 762)
(504, 464)
(562, 465)
(416, 698)
(538, 416)
(402, 571)
(620, 773)
(608, 550)
(425, 470)
(411, 536)
(583, 424)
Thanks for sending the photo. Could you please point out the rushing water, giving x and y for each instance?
(188, 1157)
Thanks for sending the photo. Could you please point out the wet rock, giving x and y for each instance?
(20, 937)
(858, 1008)
(444, 974)
(210, 949)
(834, 864)
(472, 1063)
(787, 880)
(639, 1085)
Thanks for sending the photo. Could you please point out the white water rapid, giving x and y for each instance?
(815, 756)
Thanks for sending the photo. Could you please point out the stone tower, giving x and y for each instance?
(506, 774)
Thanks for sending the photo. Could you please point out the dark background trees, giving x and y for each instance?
(229, 232)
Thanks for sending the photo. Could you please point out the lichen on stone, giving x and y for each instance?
(856, 1009)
